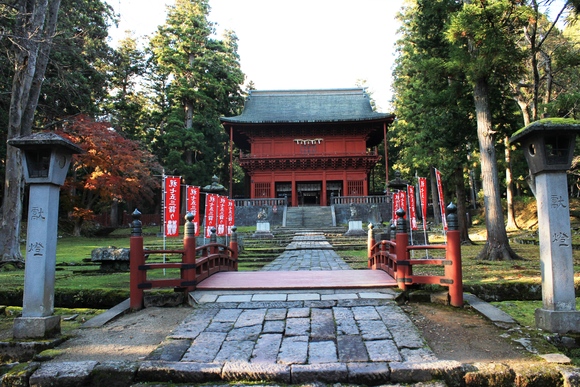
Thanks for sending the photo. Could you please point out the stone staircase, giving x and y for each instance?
(309, 217)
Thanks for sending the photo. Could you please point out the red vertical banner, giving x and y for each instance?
(423, 197)
(221, 215)
(192, 205)
(396, 205)
(210, 213)
(231, 215)
(412, 207)
(403, 202)
(172, 188)
(441, 198)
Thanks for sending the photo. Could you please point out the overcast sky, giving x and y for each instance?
(299, 44)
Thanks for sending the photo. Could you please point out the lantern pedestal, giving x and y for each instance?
(263, 230)
(558, 313)
(39, 272)
(36, 327)
(355, 228)
(549, 147)
(45, 163)
(558, 321)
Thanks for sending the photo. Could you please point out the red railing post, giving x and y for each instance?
(136, 259)
(234, 247)
(371, 261)
(383, 261)
(188, 269)
(404, 271)
(453, 254)
(213, 241)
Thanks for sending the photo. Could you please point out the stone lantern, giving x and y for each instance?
(548, 146)
(46, 159)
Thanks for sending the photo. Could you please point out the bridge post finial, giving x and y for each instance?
(189, 226)
(136, 225)
(401, 222)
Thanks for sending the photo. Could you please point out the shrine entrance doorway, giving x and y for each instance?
(309, 193)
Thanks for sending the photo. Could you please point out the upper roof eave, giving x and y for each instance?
(240, 120)
(307, 106)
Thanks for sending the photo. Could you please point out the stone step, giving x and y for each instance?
(310, 217)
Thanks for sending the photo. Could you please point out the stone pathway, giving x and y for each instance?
(360, 336)
(308, 252)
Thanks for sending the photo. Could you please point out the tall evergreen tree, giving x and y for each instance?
(76, 79)
(32, 33)
(205, 84)
(64, 63)
(486, 35)
(127, 104)
(434, 126)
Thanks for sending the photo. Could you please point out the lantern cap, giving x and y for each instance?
(45, 140)
(547, 125)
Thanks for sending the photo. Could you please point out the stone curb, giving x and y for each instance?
(451, 373)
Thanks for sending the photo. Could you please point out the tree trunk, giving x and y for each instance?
(497, 246)
(511, 216)
(41, 64)
(461, 207)
(435, 197)
(114, 214)
(525, 109)
(78, 226)
(549, 77)
(188, 154)
(35, 26)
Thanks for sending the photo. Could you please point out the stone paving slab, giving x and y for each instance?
(308, 252)
(300, 336)
(355, 329)
(496, 315)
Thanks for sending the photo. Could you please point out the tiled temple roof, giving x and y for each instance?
(303, 106)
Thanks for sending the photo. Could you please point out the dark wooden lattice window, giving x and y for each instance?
(355, 187)
(262, 190)
(308, 149)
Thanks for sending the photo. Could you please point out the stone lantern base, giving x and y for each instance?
(36, 327)
(558, 321)
(263, 230)
(355, 228)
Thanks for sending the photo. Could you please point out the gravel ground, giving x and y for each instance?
(131, 337)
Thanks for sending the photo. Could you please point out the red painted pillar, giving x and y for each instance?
(383, 260)
(272, 185)
(402, 242)
(454, 271)
(323, 198)
(386, 153)
(213, 242)
(136, 259)
(294, 197)
(370, 248)
(188, 271)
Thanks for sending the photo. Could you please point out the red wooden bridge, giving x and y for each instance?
(214, 266)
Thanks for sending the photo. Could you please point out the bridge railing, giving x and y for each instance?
(197, 262)
(378, 199)
(271, 202)
(393, 256)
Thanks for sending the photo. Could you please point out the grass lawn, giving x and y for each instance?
(74, 270)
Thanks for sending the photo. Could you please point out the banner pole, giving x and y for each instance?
(164, 220)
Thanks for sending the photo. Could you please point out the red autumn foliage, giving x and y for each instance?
(112, 168)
